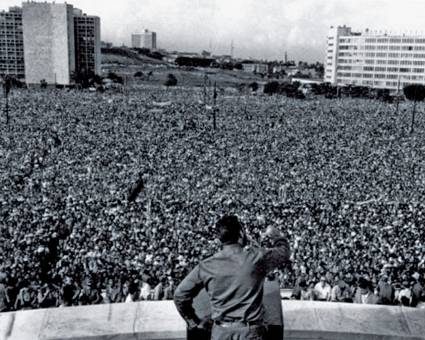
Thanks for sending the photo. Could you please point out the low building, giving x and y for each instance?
(255, 68)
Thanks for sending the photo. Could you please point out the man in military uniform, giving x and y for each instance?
(234, 280)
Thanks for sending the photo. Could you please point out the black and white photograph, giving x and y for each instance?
(212, 170)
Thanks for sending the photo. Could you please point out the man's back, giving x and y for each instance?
(234, 281)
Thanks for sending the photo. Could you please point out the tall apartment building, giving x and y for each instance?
(147, 39)
(59, 42)
(12, 43)
(48, 42)
(374, 59)
(87, 43)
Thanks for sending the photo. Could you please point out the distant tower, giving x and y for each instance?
(147, 39)
(232, 49)
(286, 57)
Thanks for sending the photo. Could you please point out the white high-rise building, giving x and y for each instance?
(59, 42)
(49, 46)
(374, 59)
(147, 39)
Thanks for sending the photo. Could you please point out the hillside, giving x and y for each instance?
(125, 56)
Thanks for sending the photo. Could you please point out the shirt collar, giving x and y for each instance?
(231, 246)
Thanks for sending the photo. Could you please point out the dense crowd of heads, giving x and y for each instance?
(341, 178)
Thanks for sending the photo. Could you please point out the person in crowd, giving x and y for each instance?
(417, 290)
(169, 289)
(340, 291)
(405, 295)
(365, 294)
(385, 291)
(3, 293)
(145, 287)
(48, 296)
(273, 313)
(322, 290)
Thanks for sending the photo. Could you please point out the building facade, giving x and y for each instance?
(59, 41)
(374, 59)
(136, 40)
(87, 43)
(49, 46)
(255, 68)
(147, 39)
(12, 43)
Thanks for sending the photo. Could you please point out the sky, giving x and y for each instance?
(261, 29)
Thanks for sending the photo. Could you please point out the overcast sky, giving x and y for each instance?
(259, 28)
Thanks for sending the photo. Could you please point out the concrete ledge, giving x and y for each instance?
(160, 321)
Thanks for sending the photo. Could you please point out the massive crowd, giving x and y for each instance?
(342, 179)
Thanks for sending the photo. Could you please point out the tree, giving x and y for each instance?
(271, 87)
(253, 86)
(115, 78)
(415, 93)
(43, 83)
(171, 80)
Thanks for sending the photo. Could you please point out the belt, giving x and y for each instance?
(239, 323)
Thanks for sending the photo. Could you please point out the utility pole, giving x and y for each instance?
(215, 106)
(205, 89)
(7, 85)
(398, 95)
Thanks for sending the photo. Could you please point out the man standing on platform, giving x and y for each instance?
(234, 280)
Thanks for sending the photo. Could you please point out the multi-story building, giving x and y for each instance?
(59, 41)
(87, 43)
(374, 59)
(255, 68)
(48, 42)
(136, 40)
(147, 39)
(12, 43)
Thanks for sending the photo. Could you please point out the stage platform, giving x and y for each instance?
(160, 321)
